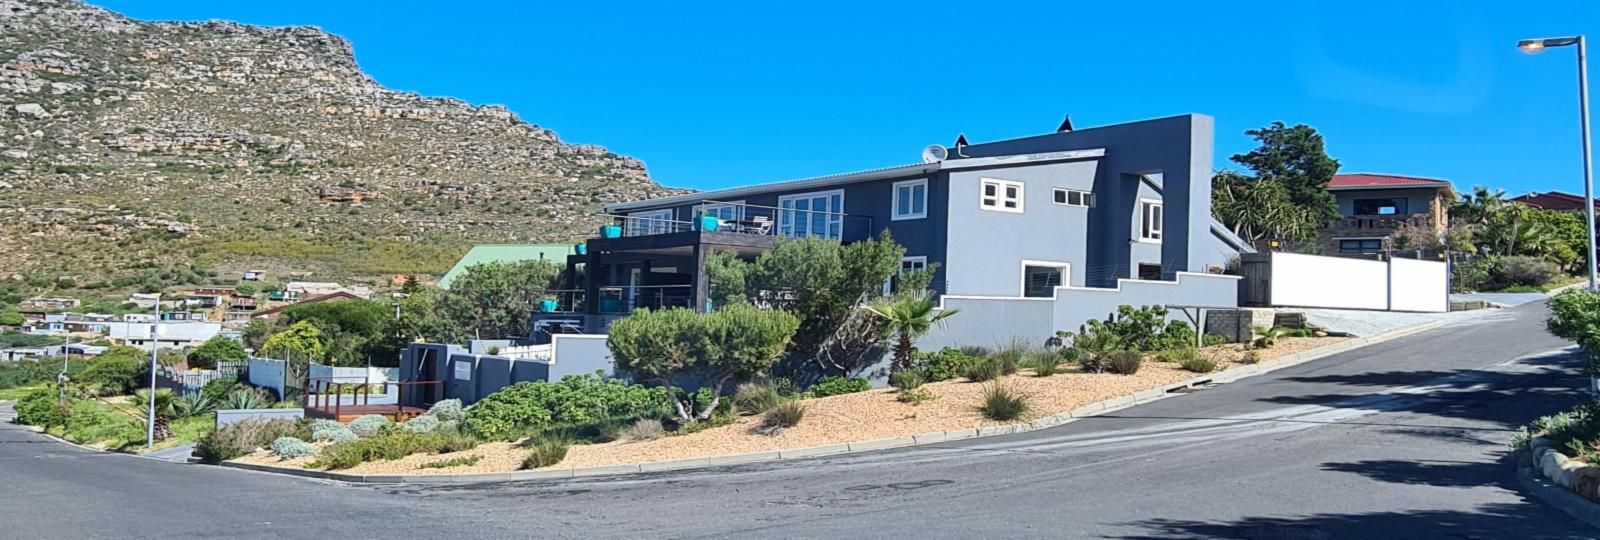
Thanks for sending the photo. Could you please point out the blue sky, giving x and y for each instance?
(714, 94)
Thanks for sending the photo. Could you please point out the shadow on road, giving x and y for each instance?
(1486, 521)
(1504, 398)
(1427, 472)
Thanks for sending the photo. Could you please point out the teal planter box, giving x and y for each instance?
(548, 306)
(611, 231)
(581, 249)
(610, 305)
(710, 223)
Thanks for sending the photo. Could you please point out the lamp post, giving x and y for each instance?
(1535, 46)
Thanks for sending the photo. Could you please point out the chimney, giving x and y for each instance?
(1066, 124)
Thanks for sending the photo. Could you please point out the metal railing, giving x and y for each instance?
(624, 298)
(758, 220)
(1384, 222)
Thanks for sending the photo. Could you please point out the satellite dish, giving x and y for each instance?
(934, 153)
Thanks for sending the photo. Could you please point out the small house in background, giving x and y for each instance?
(1554, 200)
(273, 313)
(1376, 208)
(487, 253)
(254, 275)
(296, 290)
(50, 303)
(144, 300)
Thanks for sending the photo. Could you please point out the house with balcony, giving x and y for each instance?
(1374, 208)
(1030, 235)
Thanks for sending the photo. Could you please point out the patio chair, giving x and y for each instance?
(761, 225)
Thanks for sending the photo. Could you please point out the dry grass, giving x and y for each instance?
(875, 414)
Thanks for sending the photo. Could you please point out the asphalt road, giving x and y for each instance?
(1405, 439)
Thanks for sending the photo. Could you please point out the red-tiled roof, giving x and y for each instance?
(1553, 200)
(1361, 180)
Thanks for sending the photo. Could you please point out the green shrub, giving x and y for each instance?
(833, 386)
(644, 429)
(240, 438)
(421, 424)
(115, 376)
(1212, 340)
(1140, 329)
(544, 453)
(914, 395)
(787, 415)
(1250, 357)
(217, 390)
(92, 422)
(1177, 356)
(1010, 357)
(1268, 337)
(755, 398)
(906, 380)
(1044, 364)
(247, 398)
(942, 365)
(532, 407)
(448, 410)
(1198, 364)
(1578, 427)
(462, 461)
(392, 445)
(369, 425)
(975, 351)
(34, 409)
(336, 434)
(1002, 404)
(1124, 362)
(1524, 270)
(987, 369)
(291, 448)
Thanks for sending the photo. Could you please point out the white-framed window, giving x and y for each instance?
(819, 215)
(1000, 195)
(725, 211)
(910, 200)
(1073, 197)
(1151, 221)
(649, 222)
(1040, 278)
(907, 266)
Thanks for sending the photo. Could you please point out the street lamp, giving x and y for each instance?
(1536, 46)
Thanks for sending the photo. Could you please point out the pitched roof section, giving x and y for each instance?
(1553, 200)
(486, 253)
(1371, 180)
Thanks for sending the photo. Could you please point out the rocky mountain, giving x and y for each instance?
(132, 151)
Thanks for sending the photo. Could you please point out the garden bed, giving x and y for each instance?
(875, 414)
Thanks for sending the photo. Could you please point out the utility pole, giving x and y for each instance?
(150, 418)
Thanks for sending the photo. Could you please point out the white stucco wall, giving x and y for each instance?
(1333, 282)
(1419, 285)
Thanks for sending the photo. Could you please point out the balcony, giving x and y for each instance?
(1379, 223)
(748, 220)
(621, 300)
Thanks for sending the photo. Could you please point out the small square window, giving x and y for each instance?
(1001, 195)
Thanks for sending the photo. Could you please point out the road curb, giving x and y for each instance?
(1090, 410)
(1550, 493)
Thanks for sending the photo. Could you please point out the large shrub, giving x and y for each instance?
(290, 448)
(448, 410)
(215, 350)
(676, 345)
(1142, 329)
(115, 375)
(942, 365)
(369, 425)
(240, 438)
(1524, 270)
(531, 407)
(35, 409)
(1575, 315)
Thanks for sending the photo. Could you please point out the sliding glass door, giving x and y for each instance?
(819, 215)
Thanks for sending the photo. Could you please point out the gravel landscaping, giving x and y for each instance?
(875, 414)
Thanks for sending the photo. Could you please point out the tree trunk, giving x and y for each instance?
(163, 428)
(902, 352)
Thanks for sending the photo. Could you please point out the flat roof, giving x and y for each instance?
(898, 171)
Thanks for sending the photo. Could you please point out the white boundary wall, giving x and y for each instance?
(1336, 282)
(1419, 285)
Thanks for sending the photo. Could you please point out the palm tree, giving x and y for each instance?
(168, 406)
(907, 318)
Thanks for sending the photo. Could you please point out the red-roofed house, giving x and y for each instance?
(1553, 200)
(1375, 206)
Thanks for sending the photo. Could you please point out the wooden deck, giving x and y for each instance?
(348, 413)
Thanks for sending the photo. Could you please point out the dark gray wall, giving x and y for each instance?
(872, 201)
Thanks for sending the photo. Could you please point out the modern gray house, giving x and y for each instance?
(1030, 235)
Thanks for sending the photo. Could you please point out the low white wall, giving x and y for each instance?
(1332, 282)
(1419, 285)
(580, 354)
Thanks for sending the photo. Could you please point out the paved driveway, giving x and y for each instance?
(1404, 439)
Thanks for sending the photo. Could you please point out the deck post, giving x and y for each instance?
(702, 283)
